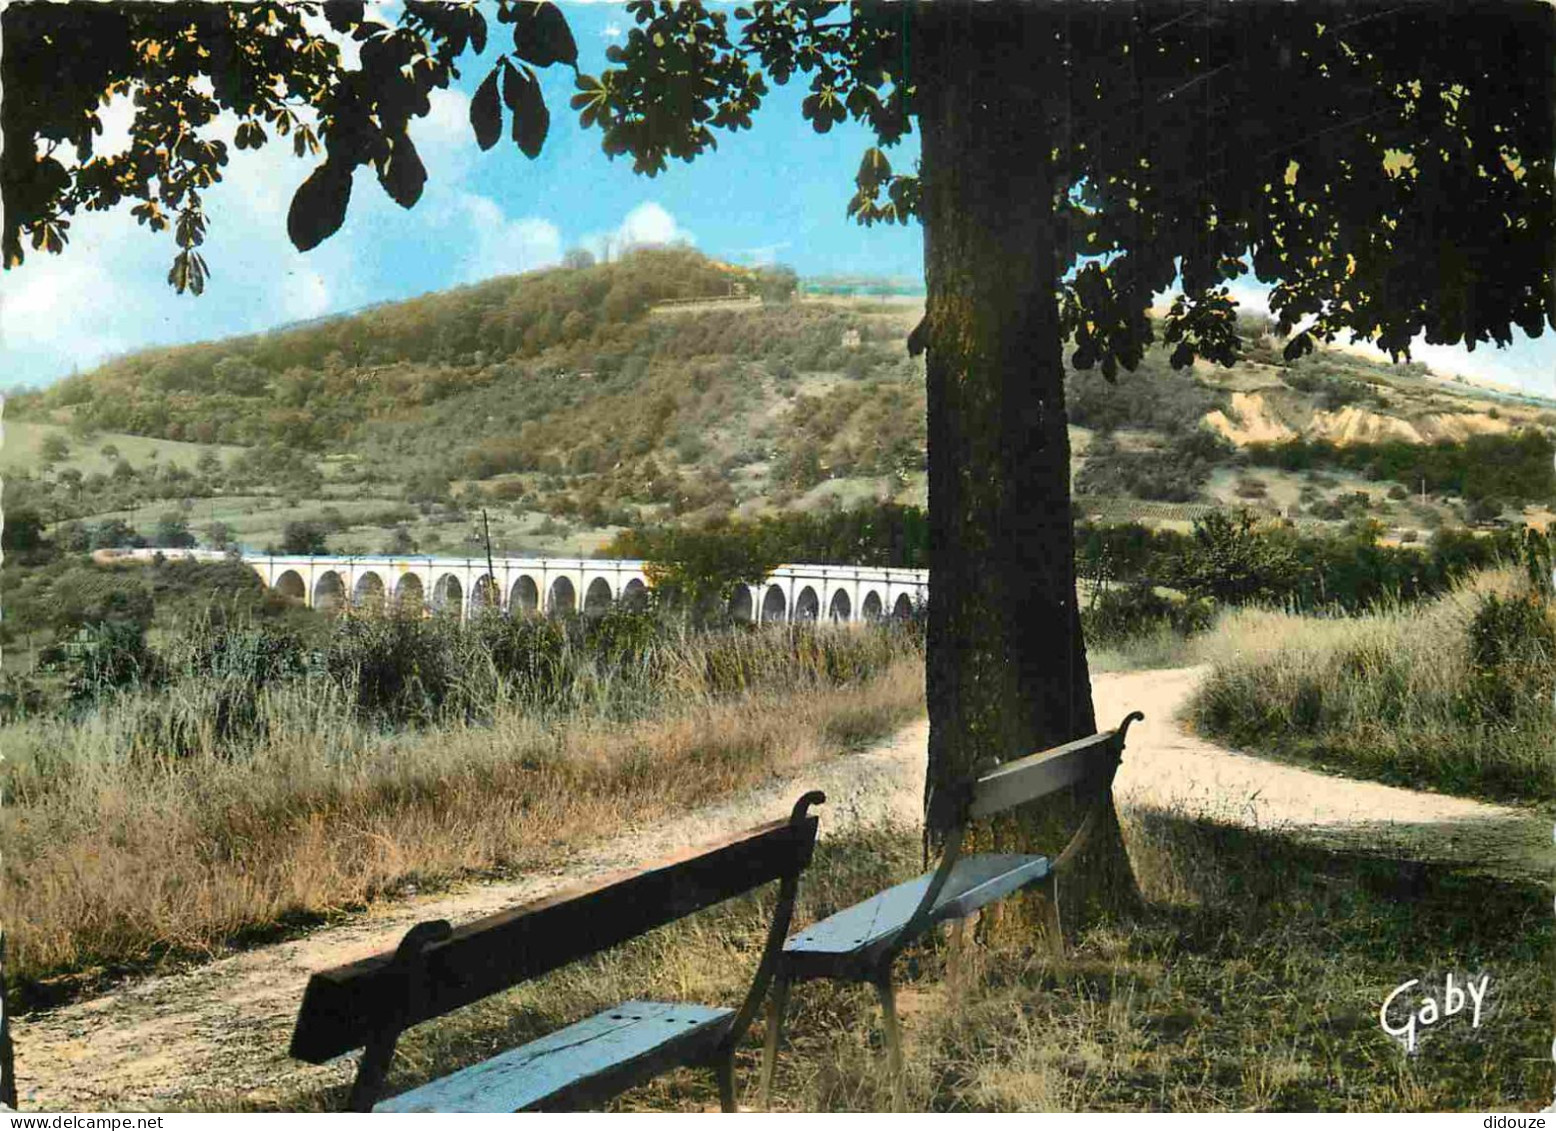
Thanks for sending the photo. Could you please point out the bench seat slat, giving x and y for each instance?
(634, 1040)
(975, 882)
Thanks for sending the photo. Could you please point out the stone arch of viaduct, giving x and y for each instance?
(462, 586)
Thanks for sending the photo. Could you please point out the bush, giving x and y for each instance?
(172, 531)
(1512, 646)
(20, 697)
(1516, 466)
(1231, 560)
(1454, 696)
(1172, 474)
(111, 657)
(1484, 510)
(1121, 614)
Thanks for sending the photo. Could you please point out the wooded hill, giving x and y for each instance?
(608, 395)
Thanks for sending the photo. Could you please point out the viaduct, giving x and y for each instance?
(848, 594)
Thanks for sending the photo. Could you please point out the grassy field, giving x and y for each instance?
(22, 449)
(1405, 695)
(148, 828)
(1236, 988)
(257, 521)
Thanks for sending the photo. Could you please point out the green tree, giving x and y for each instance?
(305, 536)
(172, 531)
(777, 283)
(23, 532)
(218, 536)
(53, 448)
(239, 376)
(115, 533)
(698, 570)
(1387, 166)
(1233, 561)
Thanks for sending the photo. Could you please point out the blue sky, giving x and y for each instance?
(777, 192)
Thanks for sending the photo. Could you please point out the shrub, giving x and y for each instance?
(1484, 510)
(1231, 560)
(1512, 645)
(1455, 695)
(20, 697)
(1137, 609)
(111, 657)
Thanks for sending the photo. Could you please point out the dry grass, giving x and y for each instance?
(1237, 988)
(113, 859)
(1392, 694)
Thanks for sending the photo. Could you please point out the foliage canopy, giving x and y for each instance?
(1407, 191)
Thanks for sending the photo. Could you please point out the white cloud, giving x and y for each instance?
(1530, 365)
(304, 294)
(647, 225)
(67, 310)
(611, 31)
(444, 139)
(498, 245)
(108, 294)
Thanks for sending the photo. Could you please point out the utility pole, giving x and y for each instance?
(491, 572)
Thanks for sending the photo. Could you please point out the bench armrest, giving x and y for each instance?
(783, 918)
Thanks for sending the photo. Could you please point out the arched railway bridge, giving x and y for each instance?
(849, 594)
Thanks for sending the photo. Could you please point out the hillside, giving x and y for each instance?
(572, 402)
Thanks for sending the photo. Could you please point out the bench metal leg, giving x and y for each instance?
(372, 1071)
(959, 938)
(724, 1071)
(777, 1006)
(893, 1033)
(1049, 890)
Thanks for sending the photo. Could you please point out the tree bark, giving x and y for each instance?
(1006, 668)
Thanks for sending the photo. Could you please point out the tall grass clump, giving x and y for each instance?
(1452, 695)
(268, 776)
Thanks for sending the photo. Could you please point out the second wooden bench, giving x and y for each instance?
(860, 944)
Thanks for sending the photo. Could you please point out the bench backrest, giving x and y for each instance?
(1037, 775)
(1091, 761)
(442, 968)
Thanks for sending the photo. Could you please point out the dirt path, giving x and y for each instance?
(223, 1028)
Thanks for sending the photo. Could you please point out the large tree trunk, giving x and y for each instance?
(1007, 671)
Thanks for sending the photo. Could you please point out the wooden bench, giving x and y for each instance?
(437, 969)
(860, 944)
